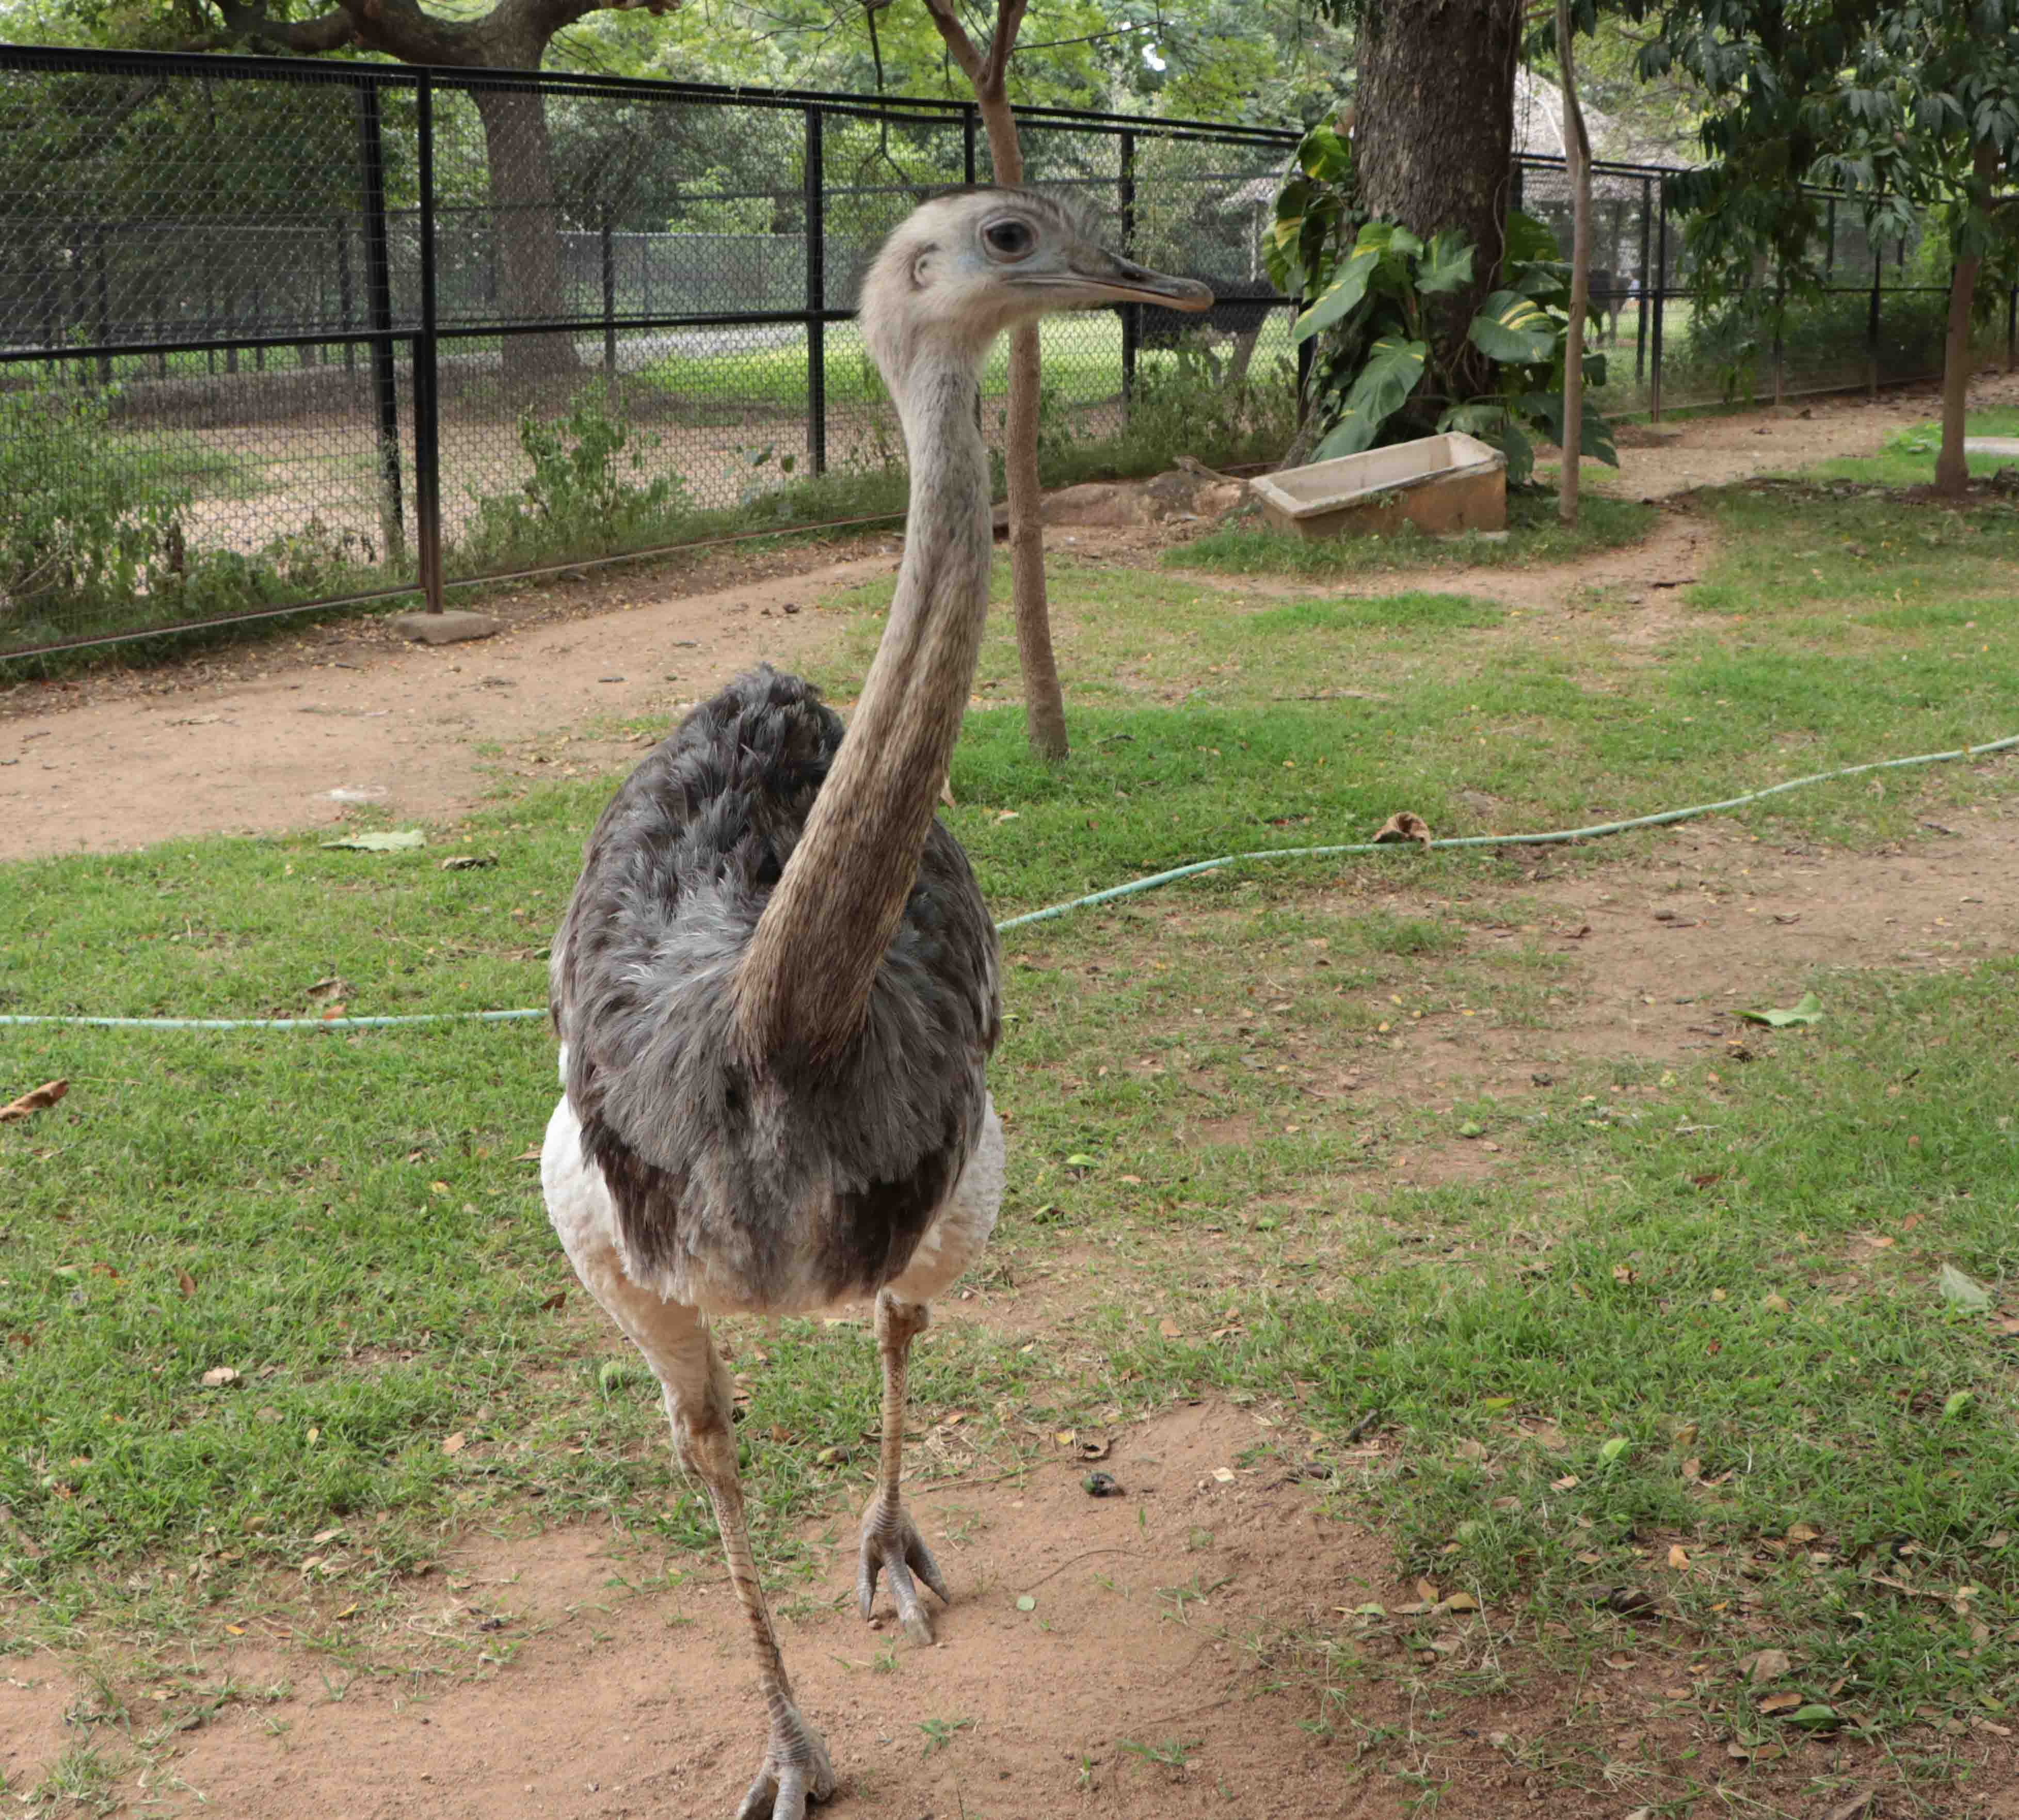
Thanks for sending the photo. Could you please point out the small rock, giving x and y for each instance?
(1100, 1485)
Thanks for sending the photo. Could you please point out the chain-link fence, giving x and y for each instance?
(277, 333)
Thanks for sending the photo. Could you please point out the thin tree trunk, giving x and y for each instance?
(1044, 702)
(1044, 707)
(1952, 465)
(1577, 154)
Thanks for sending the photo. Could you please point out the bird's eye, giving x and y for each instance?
(1007, 239)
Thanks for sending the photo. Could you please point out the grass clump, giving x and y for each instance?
(1535, 535)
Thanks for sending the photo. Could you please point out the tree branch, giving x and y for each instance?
(512, 33)
(311, 37)
(959, 45)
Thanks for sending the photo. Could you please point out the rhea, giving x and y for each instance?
(775, 984)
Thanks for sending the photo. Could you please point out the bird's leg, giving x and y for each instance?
(795, 1768)
(890, 1541)
(700, 1404)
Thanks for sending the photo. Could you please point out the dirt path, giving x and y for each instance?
(1167, 1665)
(256, 740)
(405, 727)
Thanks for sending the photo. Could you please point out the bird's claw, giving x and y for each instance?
(795, 1771)
(891, 1545)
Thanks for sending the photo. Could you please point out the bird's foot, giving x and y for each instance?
(795, 1771)
(891, 1545)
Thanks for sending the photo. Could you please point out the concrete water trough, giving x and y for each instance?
(1439, 484)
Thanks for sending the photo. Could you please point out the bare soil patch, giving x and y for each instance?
(254, 744)
(1661, 950)
(1174, 1662)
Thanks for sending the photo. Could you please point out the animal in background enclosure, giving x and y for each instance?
(1607, 293)
(1241, 308)
(775, 984)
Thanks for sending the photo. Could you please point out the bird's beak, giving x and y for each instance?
(1100, 277)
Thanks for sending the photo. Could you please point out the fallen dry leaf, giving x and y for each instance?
(1766, 1665)
(218, 1376)
(185, 1283)
(36, 1100)
(1404, 825)
(453, 1443)
(1786, 1701)
(1679, 1558)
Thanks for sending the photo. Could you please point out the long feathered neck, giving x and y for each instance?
(803, 988)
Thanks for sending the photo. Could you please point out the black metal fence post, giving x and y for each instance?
(816, 210)
(1659, 293)
(427, 397)
(1872, 325)
(343, 297)
(104, 303)
(1132, 314)
(609, 301)
(378, 314)
(1640, 314)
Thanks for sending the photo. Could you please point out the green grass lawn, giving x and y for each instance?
(1908, 458)
(1664, 1324)
(1081, 351)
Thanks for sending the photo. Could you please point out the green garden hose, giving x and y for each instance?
(1156, 881)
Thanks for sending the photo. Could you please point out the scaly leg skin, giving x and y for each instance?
(890, 1541)
(699, 1401)
(796, 1769)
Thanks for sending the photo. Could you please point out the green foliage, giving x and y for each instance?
(1380, 376)
(95, 537)
(588, 492)
(1182, 405)
(1911, 106)
(80, 520)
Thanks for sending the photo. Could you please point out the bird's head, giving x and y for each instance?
(963, 267)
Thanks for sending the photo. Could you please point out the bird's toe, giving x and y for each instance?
(893, 1549)
(795, 1771)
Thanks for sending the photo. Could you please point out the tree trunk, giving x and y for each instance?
(1433, 138)
(1952, 465)
(525, 225)
(1577, 154)
(1044, 702)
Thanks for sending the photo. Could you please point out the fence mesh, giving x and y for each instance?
(275, 333)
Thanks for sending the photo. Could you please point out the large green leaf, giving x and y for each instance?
(1381, 387)
(1325, 156)
(1595, 434)
(1493, 420)
(1348, 286)
(1446, 266)
(1528, 241)
(1511, 327)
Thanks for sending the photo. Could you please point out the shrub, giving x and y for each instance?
(584, 495)
(82, 521)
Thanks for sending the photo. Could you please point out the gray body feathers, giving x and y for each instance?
(779, 1183)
